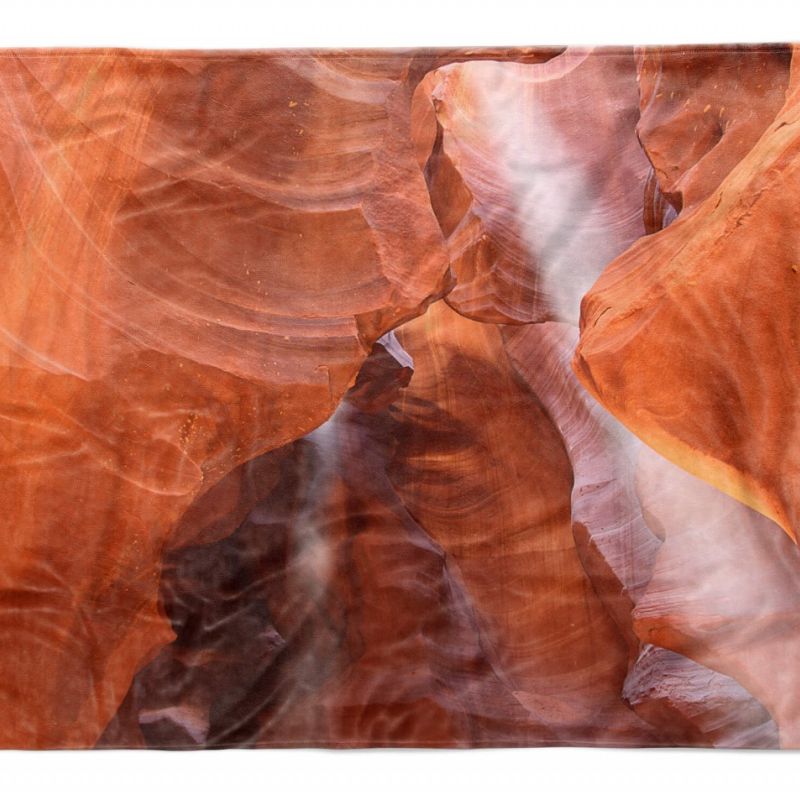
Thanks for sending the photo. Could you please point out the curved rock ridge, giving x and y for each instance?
(200, 250)
(619, 526)
(688, 337)
(534, 201)
(399, 398)
(702, 110)
(616, 545)
(698, 706)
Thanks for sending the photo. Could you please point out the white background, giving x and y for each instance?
(412, 775)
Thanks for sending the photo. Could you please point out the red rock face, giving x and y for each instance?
(292, 448)
(534, 202)
(211, 245)
(680, 373)
(703, 109)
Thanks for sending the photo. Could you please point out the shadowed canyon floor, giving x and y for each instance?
(435, 398)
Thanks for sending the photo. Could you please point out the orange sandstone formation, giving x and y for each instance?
(703, 109)
(688, 337)
(291, 444)
(199, 252)
(534, 201)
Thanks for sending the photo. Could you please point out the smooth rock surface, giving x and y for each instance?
(533, 200)
(200, 251)
(406, 398)
(689, 337)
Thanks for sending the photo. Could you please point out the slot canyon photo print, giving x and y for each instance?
(400, 398)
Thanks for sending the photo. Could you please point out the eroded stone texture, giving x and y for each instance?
(274, 473)
(534, 201)
(697, 706)
(702, 110)
(199, 252)
(689, 337)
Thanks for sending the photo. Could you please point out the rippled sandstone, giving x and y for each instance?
(291, 445)
(688, 337)
(533, 201)
(200, 251)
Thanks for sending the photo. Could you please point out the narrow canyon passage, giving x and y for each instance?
(434, 398)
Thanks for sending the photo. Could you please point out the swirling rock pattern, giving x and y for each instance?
(513, 160)
(419, 398)
(679, 373)
(212, 244)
